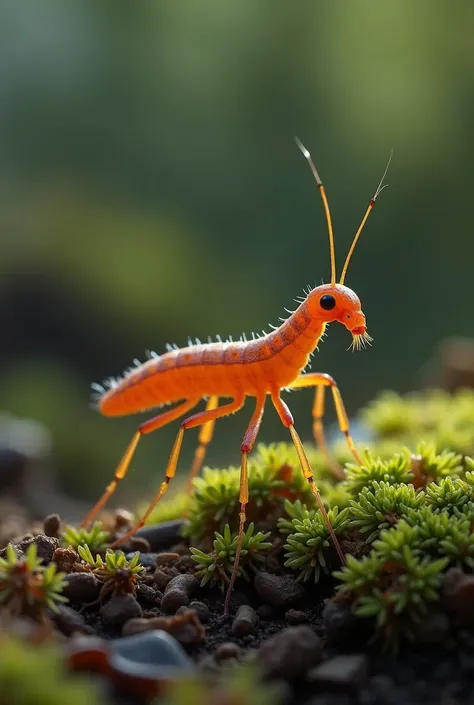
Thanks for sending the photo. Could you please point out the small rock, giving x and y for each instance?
(147, 560)
(178, 592)
(65, 559)
(69, 621)
(81, 587)
(278, 590)
(138, 543)
(346, 671)
(45, 546)
(295, 617)
(290, 653)
(51, 525)
(185, 564)
(245, 621)
(160, 536)
(186, 627)
(123, 518)
(227, 650)
(201, 609)
(119, 609)
(166, 559)
(162, 578)
(153, 656)
(147, 595)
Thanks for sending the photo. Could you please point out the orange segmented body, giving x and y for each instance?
(260, 368)
(224, 369)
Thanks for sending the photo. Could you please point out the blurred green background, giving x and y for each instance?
(150, 189)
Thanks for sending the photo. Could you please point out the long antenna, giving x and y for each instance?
(379, 190)
(320, 186)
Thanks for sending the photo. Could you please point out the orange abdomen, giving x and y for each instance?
(223, 369)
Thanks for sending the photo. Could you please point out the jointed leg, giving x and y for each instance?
(320, 381)
(245, 448)
(287, 419)
(196, 420)
(205, 437)
(122, 468)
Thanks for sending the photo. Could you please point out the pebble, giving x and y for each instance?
(227, 650)
(45, 546)
(160, 536)
(147, 595)
(245, 621)
(123, 518)
(345, 671)
(290, 653)
(51, 525)
(278, 590)
(166, 558)
(201, 609)
(162, 578)
(295, 617)
(186, 628)
(81, 587)
(68, 621)
(147, 560)
(119, 609)
(65, 559)
(139, 664)
(178, 592)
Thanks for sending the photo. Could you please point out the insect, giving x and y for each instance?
(259, 368)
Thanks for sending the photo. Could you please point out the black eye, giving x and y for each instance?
(327, 302)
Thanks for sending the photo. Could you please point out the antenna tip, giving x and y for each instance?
(302, 148)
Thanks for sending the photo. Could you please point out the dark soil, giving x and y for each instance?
(310, 644)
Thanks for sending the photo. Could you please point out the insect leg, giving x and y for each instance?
(245, 448)
(122, 468)
(205, 437)
(287, 419)
(198, 419)
(320, 380)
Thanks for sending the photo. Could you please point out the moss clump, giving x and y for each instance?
(396, 593)
(27, 587)
(382, 505)
(216, 567)
(447, 420)
(36, 675)
(309, 546)
(392, 471)
(95, 537)
(118, 575)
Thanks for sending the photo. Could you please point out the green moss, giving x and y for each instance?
(118, 575)
(27, 587)
(36, 675)
(381, 505)
(95, 537)
(393, 471)
(396, 593)
(308, 546)
(216, 567)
